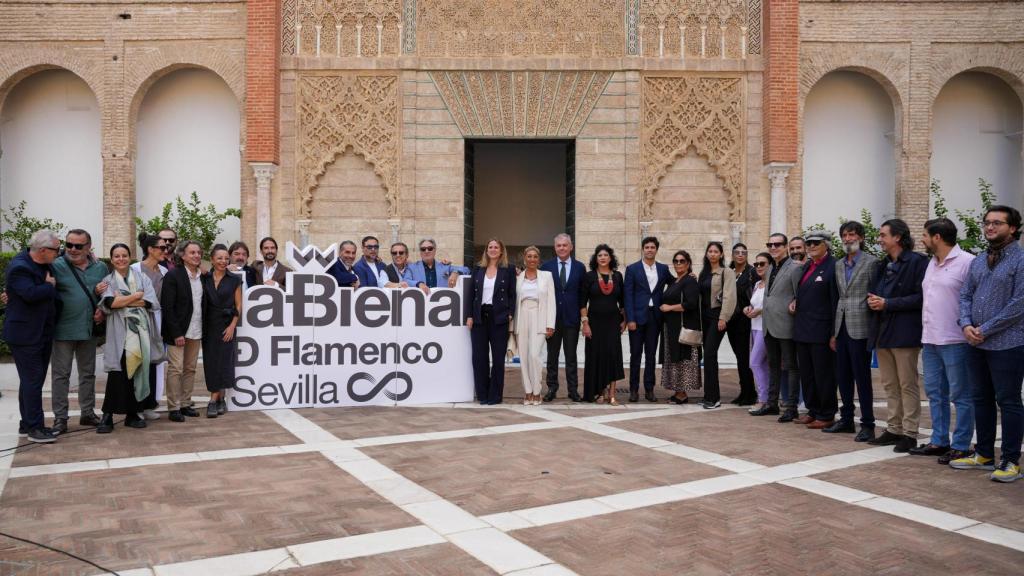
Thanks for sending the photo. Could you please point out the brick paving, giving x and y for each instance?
(682, 491)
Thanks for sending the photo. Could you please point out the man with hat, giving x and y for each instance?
(815, 308)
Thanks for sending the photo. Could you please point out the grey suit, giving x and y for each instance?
(778, 334)
(853, 297)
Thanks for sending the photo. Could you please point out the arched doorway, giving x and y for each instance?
(849, 163)
(976, 133)
(51, 152)
(187, 135)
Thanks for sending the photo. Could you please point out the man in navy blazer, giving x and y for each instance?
(816, 298)
(29, 323)
(645, 281)
(369, 266)
(567, 273)
(343, 268)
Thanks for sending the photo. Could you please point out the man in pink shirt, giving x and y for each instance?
(945, 347)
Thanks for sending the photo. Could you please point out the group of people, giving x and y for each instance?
(802, 322)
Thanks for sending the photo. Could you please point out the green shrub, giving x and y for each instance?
(19, 228)
(190, 220)
(970, 231)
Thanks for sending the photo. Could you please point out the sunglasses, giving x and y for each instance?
(760, 264)
(739, 252)
(73, 246)
(371, 246)
(775, 244)
(166, 248)
(398, 253)
(170, 240)
(426, 248)
(680, 261)
(814, 242)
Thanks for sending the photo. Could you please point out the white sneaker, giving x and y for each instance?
(151, 414)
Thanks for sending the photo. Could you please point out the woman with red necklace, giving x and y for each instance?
(603, 318)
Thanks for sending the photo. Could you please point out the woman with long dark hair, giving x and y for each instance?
(717, 302)
(150, 267)
(680, 366)
(491, 300)
(738, 327)
(602, 313)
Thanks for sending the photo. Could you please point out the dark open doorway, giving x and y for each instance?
(520, 191)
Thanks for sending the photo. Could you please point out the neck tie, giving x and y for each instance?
(561, 275)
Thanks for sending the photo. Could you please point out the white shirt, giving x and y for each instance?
(652, 279)
(195, 324)
(268, 271)
(488, 295)
(757, 303)
(531, 290)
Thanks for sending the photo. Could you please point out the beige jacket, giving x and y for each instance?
(728, 305)
(545, 300)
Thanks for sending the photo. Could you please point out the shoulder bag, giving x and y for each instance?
(692, 337)
(98, 330)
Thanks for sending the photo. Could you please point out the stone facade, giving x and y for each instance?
(686, 115)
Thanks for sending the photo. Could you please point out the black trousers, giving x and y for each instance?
(817, 379)
(782, 360)
(712, 342)
(738, 330)
(489, 337)
(32, 363)
(853, 365)
(565, 338)
(643, 342)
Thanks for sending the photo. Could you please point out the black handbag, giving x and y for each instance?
(98, 330)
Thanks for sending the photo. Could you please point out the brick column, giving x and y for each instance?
(262, 80)
(780, 94)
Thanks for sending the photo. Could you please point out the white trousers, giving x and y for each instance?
(531, 340)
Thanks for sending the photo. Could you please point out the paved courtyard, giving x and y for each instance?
(643, 489)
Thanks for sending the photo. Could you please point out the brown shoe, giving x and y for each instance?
(820, 424)
(805, 419)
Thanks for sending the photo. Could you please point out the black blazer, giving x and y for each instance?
(504, 300)
(816, 301)
(32, 303)
(899, 282)
(175, 304)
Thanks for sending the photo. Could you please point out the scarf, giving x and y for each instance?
(995, 252)
(136, 342)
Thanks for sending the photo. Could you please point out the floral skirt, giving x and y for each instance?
(682, 376)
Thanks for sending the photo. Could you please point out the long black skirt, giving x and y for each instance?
(119, 397)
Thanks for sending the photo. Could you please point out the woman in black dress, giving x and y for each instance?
(680, 366)
(738, 327)
(222, 301)
(603, 316)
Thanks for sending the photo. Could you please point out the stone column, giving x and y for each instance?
(394, 224)
(264, 173)
(778, 172)
(645, 230)
(302, 232)
(737, 229)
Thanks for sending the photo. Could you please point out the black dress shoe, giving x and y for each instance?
(90, 419)
(575, 397)
(549, 396)
(903, 445)
(866, 434)
(763, 411)
(928, 450)
(840, 426)
(948, 457)
(60, 426)
(135, 422)
(886, 439)
(175, 416)
(788, 416)
(106, 425)
(650, 397)
(190, 412)
(676, 400)
(634, 396)
(737, 400)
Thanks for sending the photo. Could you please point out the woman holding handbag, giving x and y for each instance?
(717, 302)
(534, 321)
(680, 366)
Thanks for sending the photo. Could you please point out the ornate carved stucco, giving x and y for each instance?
(346, 27)
(706, 113)
(668, 25)
(520, 28)
(342, 111)
(522, 103)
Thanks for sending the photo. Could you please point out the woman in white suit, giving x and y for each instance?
(534, 321)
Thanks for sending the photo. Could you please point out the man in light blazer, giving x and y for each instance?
(644, 283)
(855, 274)
(433, 272)
(777, 315)
(567, 273)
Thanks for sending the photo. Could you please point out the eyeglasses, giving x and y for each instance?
(680, 261)
(775, 244)
(814, 242)
(426, 248)
(73, 246)
(993, 223)
(398, 253)
(760, 264)
(169, 240)
(166, 248)
(371, 246)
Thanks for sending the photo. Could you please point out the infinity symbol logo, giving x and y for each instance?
(379, 386)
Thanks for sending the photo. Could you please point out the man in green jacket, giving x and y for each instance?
(80, 283)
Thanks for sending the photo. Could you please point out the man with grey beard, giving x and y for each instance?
(855, 274)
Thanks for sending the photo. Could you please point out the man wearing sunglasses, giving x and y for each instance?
(783, 280)
(80, 284)
(369, 266)
(397, 274)
(433, 272)
(170, 242)
(812, 330)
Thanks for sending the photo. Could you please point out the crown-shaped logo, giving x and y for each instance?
(311, 260)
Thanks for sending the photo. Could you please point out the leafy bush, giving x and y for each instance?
(870, 234)
(190, 220)
(971, 233)
(19, 228)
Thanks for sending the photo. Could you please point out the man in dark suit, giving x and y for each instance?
(342, 269)
(270, 271)
(567, 272)
(369, 267)
(29, 328)
(239, 254)
(645, 281)
(815, 305)
(181, 301)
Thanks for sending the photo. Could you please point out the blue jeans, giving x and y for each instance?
(945, 381)
(995, 377)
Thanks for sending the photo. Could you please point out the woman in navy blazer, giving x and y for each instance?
(492, 295)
